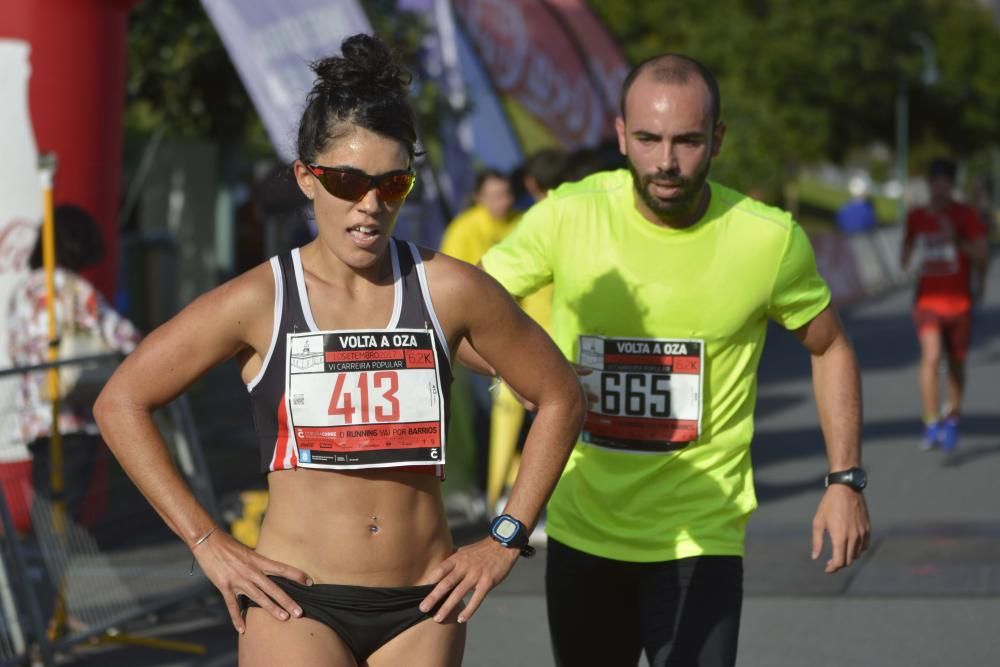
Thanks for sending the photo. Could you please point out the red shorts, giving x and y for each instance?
(955, 329)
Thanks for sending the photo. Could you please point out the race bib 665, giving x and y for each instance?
(649, 392)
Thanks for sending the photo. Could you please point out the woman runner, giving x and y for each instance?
(355, 554)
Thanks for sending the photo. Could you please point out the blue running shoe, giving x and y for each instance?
(932, 436)
(948, 434)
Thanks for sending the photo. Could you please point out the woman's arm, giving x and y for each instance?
(217, 326)
(468, 357)
(475, 306)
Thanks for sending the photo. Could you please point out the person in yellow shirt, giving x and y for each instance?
(542, 171)
(664, 282)
(490, 219)
(474, 231)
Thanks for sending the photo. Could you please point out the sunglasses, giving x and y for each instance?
(354, 185)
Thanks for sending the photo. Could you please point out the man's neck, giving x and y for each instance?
(682, 219)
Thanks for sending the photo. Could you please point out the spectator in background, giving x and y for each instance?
(490, 219)
(541, 172)
(857, 215)
(586, 161)
(544, 170)
(951, 243)
(81, 312)
(477, 229)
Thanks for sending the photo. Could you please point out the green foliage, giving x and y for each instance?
(406, 32)
(803, 81)
(180, 77)
(810, 80)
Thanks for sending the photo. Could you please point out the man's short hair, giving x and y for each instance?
(676, 68)
(547, 167)
(942, 166)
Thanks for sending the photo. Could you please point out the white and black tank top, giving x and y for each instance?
(412, 309)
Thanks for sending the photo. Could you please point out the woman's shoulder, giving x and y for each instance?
(244, 292)
(455, 280)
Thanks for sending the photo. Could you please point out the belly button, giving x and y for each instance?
(372, 528)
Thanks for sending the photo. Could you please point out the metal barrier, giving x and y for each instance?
(861, 265)
(99, 578)
(22, 632)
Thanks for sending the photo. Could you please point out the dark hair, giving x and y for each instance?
(942, 167)
(365, 87)
(485, 174)
(676, 68)
(547, 167)
(78, 240)
(583, 162)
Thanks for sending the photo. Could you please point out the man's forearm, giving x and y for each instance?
(837, 387)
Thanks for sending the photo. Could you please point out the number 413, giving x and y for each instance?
(386, 404)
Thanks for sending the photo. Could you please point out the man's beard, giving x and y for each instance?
(684, 202)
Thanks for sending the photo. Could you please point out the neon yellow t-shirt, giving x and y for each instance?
(616, 274)
(473, 232)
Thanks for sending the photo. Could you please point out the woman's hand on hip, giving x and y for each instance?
(478, 567)
(238, 570)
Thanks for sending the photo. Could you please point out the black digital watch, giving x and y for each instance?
(512, 534)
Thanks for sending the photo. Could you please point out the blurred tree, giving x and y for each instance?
(181, 79)
(803, 80)
(809, 80)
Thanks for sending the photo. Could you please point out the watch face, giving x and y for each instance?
(859, 479)
(505, 529)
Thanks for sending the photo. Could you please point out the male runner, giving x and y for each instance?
(952, 243)
(663, 285)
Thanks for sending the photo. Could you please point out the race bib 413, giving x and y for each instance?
(365, 399)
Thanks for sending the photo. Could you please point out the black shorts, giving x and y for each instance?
(683, 613)
(364, 617)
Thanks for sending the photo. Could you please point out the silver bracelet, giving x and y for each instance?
(203, 538)
(195, 546)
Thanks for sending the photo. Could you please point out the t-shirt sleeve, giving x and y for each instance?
(522, 262)
(458, 242)
(799, 293)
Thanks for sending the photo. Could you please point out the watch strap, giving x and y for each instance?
(852, 477)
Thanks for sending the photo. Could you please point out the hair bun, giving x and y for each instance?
(365, 86)
(367, 65)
